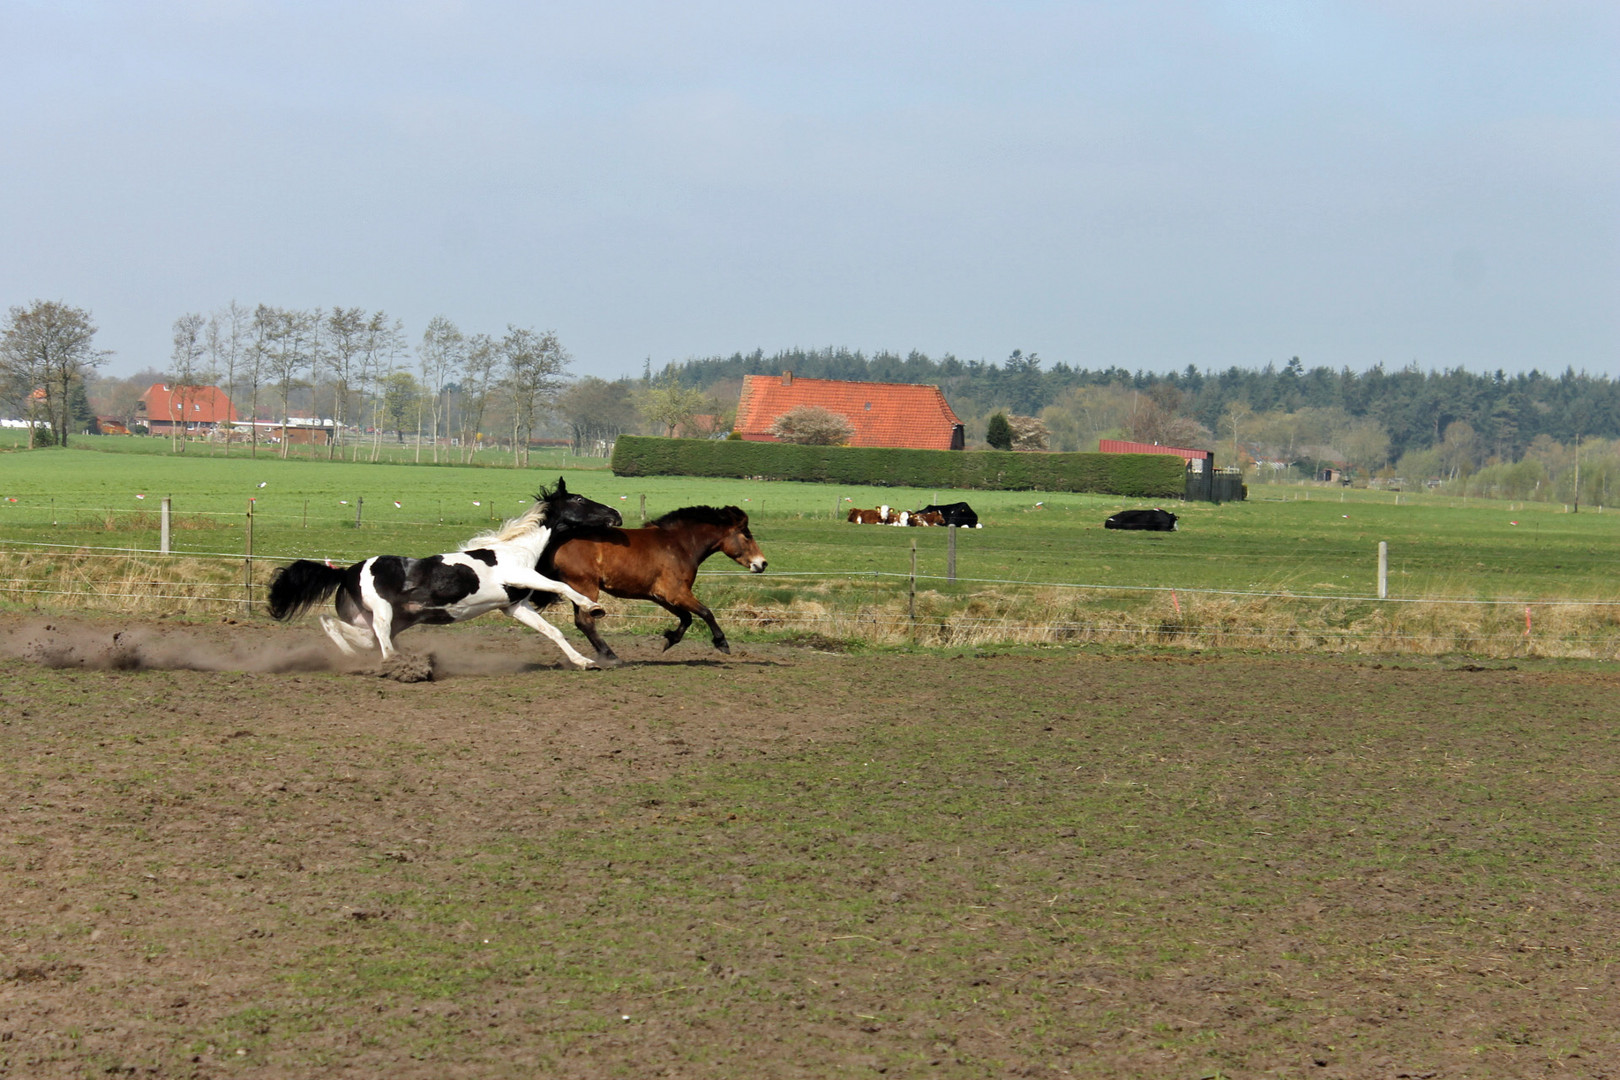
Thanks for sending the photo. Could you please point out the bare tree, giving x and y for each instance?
(187, 370)
(385, 348)
(45, 353)
(477, 380)
(1157, 418)
(813, 425)
(344, 358)
(266, 326)
(226, 341)
(535, 364)
(597, 412)
(439, 355)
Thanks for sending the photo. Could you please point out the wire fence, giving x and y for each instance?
(835, 606)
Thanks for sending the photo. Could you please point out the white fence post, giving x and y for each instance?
(163, 532)
(1383, 569)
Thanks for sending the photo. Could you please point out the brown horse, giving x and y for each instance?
(657, 563)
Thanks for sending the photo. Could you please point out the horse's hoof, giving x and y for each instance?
(723, 647)
(596, 612)
(609, 661)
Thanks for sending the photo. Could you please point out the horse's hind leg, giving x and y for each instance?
(674, 634)
(526, 615)
(350, 639)
(586, 624)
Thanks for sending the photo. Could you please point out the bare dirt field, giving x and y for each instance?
(221, 855)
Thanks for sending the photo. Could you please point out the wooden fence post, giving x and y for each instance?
(950, 553)
(247, 565)
(163, 530)
(911, 603)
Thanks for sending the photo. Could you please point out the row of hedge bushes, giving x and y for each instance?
(1137, 475)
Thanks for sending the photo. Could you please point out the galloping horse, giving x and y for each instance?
(657, 563)
(384, 595)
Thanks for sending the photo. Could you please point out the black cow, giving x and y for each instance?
(954, 514)
(1154, 520)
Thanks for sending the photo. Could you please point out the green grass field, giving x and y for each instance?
(1286, 542)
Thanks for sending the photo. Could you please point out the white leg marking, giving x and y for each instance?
(339, 633)
(526, 615)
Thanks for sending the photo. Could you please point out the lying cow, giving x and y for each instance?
(883, 515)
(1154, 520)
(926, 517)
(954, 514)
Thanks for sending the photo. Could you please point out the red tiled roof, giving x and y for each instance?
(188, 404)
(1120, 446)
(911, 415)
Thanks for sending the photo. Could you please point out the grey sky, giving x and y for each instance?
(1137, 183)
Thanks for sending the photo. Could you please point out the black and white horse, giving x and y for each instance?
(379, 597)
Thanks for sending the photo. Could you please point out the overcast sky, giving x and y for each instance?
(1149, 184)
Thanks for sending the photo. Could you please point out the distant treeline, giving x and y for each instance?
(1415, 407)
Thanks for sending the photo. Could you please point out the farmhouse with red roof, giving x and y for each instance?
(166, 406)
(912, 415)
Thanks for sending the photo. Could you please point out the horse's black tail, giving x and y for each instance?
(296, 586)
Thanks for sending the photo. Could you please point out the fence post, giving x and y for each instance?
(163, 531)
(837, 502)
(911, 603)
(950, 553)
(1383, 569)
(644, 509)
(247, 565)
(359, 505)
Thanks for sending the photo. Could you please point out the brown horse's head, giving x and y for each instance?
(739, 543)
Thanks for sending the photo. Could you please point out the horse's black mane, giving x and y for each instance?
(700, 515)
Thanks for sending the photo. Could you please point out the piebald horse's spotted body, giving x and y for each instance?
(379, 597)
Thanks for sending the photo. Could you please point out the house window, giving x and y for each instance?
(868, 406)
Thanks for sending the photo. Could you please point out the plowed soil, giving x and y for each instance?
(224, 854)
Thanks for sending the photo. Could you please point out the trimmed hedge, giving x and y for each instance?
(1137, 475)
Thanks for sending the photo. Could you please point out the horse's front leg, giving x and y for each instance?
(720, 641)
(382, 624)
(533, 579)
(526, 615)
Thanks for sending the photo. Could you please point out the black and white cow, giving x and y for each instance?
(1154, 520)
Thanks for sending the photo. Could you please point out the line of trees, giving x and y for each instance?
(1284, 415)
(454, 392)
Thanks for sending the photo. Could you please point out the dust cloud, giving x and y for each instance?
(60, 643)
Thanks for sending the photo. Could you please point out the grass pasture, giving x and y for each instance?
(1294, 568)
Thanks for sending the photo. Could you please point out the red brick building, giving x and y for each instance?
(195, 410)
(911, 415)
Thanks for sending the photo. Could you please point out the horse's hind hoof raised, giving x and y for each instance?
(723, 647)
(596, 612)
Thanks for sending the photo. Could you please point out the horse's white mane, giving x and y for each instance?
(511, 529)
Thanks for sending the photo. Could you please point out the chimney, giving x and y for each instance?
(787, 378)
